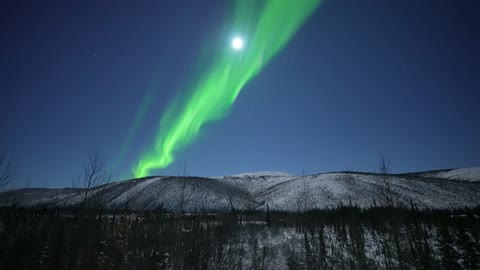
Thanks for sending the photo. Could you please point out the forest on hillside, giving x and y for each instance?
(344, 237)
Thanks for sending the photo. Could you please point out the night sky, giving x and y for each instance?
(359, 78)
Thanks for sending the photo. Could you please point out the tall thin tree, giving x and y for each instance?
(94, 175)
(387, 192)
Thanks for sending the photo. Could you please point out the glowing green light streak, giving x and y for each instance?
(271, 30)
(132, 131)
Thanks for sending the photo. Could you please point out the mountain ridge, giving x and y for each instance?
(449, 188)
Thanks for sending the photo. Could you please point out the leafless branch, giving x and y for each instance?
(94, 175)
(387, 192)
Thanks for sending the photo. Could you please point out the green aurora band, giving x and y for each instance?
(272, 24)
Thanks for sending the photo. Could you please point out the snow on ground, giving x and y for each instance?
(332, 189)
(466, 174)
(256, 182)
(281, 191)
(132, 192)
(259, 174)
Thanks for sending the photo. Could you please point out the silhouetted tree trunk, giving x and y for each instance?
(94, 175)
(448, 255)
(387, 192)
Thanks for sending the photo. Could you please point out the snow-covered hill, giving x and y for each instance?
(328, 190)
(256, 182)
(175, 193)
(281, 191)
(466, 174)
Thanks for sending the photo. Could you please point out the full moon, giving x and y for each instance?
(237, 43)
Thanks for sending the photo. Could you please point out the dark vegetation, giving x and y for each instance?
(345, 237)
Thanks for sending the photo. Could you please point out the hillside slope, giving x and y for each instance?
(465, 174)
(281, 191)
(174, 193)
(327, 190)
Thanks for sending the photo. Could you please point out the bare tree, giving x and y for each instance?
(183, 187)
(387, 192)
(305, 199)
(94, 175)
(7, 168)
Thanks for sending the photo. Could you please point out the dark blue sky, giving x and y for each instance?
(360, 78)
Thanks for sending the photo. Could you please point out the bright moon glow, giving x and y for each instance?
(270, 29)
(237, 43)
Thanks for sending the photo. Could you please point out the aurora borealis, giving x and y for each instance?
(317, 88)
(266, 30)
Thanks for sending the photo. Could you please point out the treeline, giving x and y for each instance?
(387, 238)
(345, 237)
